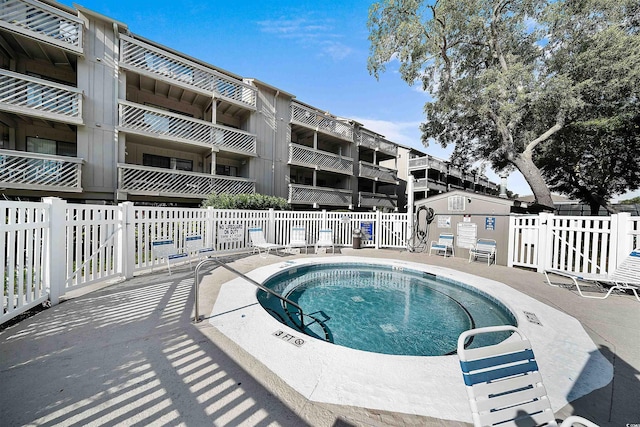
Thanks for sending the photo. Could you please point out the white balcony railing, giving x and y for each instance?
(31, 171)
(376, 142)
(143, 180)
(35, 97)
(319, 196)
(144, 58)
(42, 22)
(378, 173)
(377, 200)
(305, 156)
(157, 123)
(321, 122)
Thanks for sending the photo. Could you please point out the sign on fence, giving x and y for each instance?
(228, 233)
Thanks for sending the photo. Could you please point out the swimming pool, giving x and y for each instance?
(382, 309)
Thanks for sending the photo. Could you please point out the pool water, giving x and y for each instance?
(383, 309)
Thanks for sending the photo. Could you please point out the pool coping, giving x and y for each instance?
(429, 386)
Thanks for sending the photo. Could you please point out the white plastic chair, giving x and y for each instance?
(325, 240)
(298, 239)
(194, 246)
(444, 244)
(504, 384)
(625, 277)
(260, 244)
(484, 248)
(166, 249)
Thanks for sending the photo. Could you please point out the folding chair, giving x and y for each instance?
(444, 244)
(167, 250)
(325, 240)
(298, 238)
(260, 244)
(484, 248)
(194, 246)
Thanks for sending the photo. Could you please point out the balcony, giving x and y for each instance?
(147, 181)
(147, 121)
(31, 171)
(43, 23)
(319, 196)
(376, 200)
(377, 143)
(378, 173)
(321, 160)
(148, 60)
(321, 122)
(30, 96)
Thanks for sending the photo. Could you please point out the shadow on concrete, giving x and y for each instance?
(128, 354)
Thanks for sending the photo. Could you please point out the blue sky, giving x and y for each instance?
(316, 51)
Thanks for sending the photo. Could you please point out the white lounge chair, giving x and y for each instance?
(484, 248)
(166, 249)
(298, 239)
(194, 246)
(260, 244)
(325, 240)
(444, 244)
(625, 277)
(503, 383)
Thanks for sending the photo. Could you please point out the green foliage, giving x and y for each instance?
(251, 201)
(633, 201)
(506, 76)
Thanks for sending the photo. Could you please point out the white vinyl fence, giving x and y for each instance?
(50, 248)
(53, 247)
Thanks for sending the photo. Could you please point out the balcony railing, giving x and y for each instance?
(39, 98)
(321, 122)
(377, 200)
(376, 142)
(143, 180)
(319, 196)
(31, 171)
(144, 58)
(378, 173)
(136, 118)
(42, 22)
(305, 156)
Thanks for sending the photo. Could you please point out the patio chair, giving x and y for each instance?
(444, 244)
(166, 249)
(625, 277)
(484, 248)
(503, 383)
(194, 246)
(260, 244)
(325, 240)
(298, 239)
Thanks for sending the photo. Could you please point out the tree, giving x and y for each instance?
(499, 71)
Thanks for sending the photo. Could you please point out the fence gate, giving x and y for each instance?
(524, 238)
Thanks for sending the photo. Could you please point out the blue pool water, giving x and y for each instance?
(382, 309)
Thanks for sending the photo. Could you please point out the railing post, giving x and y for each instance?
(210, 228)
(511, 240)
(378, 229)
(619, 240)
(127, 239)
(272, 225)
(56, 248)
(545, 241)
(324, 219)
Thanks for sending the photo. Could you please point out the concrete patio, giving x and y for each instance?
(130, 354)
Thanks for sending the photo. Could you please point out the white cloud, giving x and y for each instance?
(405, 133)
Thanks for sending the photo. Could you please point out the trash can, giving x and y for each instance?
(357, 238)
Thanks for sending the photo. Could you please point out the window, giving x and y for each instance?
(226, 170)
(164, 162)
(456, 203)
(50, 146)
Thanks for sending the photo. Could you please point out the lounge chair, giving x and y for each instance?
(625, 277)
(194, 246)
(260, 244)
(298, 239)
(166, 249)
(444, 244)
(325, 240)
(484, 248)
(503, 383)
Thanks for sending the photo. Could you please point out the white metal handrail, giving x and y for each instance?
(377, 172)
(40, 171)
(305, 156)
(39, 98)
(305, 194)
(42, 22)
(149, 59)
(322, 122)
(144, 180)
(159, 123)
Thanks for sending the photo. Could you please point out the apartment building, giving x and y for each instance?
(90, 111)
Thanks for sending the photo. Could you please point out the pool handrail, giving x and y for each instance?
(242, 276)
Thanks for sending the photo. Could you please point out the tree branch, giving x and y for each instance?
(533, 144)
